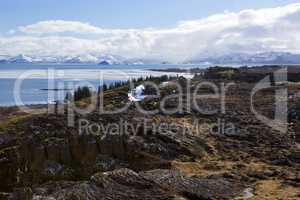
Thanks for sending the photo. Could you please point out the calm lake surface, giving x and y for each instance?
(24, 84)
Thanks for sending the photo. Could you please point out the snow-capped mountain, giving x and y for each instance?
(3, 58)
(259, 58)
(24, 59)
(81, 59)
(104, 59)
(111, 60)
(101, 59)
(20, 59)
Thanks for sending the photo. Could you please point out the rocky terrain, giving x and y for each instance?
(42, 158)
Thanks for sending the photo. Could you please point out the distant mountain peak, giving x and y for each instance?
(258, 58)
(21, 59)
(107, 59)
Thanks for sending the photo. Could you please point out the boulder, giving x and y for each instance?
(195, 187)
(118, 185)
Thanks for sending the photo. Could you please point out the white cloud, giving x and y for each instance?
(59, 26)
(247, 31)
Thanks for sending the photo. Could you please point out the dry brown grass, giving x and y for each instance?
(203, 168)
(274, 189)
(11, 121)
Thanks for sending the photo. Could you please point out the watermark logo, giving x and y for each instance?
(189, 96)
(279, 80)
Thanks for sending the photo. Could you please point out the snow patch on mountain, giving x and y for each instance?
(101, 59)
(259, 58)
(21, 59)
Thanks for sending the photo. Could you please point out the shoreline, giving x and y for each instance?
(293, 70)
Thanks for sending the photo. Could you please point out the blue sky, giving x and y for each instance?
(167, 30)
(121, 13)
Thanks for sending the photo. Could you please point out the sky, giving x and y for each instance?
(173, 30)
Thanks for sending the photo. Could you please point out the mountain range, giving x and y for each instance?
(81, 59)
(235, 58)
(258, 58)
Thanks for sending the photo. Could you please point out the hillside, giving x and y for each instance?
(42, 158)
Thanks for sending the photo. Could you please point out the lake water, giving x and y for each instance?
(30, 83)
